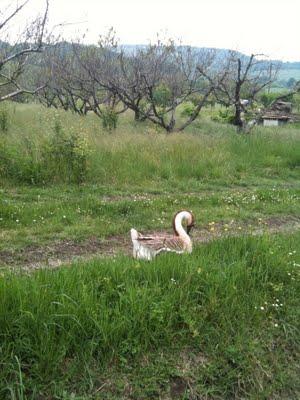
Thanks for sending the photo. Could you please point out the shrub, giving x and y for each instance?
(162, 96)
(65, 156)
(109, 118)
(187, 109)
(223, 116)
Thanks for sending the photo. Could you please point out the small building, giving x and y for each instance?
(275, 119)
(278, 114)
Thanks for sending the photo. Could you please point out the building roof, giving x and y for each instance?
(276, 116)
(280, 110)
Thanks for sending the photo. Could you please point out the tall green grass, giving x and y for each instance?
(137, 154)
(234, 304)
(223, 322)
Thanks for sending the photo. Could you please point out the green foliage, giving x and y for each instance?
(66, 155)
(195, 99)
(223, 115)
(188, 109)
(162, 96)
(267, 98)
(143, 107)
(109, 118)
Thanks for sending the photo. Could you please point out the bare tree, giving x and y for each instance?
(59, 76)
(154, 80)
(15, 57)
(246, 78)
(95, 92)
(172, 75)
(69, 85)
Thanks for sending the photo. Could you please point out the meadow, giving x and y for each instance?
(221, 323)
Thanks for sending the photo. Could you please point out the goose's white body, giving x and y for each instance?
(148, 247)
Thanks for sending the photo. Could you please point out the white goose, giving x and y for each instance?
(148, 247)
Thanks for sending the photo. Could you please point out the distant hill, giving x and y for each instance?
(289, 71)
(291, 65)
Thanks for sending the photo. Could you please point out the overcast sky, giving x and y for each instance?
(271, 27)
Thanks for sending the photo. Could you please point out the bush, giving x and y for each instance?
(223, 116)
(188, 109)
(109, 118)
(162, 96)
(65, 156)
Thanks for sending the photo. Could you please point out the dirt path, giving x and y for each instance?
(64, 252)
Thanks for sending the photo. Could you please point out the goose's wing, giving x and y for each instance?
(159, 244)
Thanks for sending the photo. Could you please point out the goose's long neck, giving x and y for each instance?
(179, 230)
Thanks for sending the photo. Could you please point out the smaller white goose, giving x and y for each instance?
(148, 247)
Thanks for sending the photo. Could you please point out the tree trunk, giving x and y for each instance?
(237, 121)
(137, 115)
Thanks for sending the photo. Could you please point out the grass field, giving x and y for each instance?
(222, 323)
